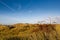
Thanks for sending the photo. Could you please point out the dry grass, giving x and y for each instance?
(30, 32)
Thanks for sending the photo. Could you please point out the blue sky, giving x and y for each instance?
(27, 11)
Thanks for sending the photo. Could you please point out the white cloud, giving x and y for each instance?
(58, 19)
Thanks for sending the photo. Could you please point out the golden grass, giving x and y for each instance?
(30, 32)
